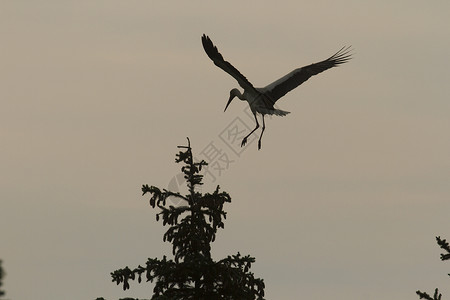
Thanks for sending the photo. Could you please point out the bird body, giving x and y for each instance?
(262, 100)
(257, 103)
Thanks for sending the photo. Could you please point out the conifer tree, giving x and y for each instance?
(192, 273)
(2, 273)
(445, 246)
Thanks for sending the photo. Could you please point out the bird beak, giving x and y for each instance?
(228, 103)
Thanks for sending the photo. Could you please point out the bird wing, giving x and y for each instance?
(218, 60)
(287, 83)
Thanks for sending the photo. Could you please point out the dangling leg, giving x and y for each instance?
(244, 141)
(262, 131)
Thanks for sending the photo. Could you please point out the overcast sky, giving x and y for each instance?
(343, 201)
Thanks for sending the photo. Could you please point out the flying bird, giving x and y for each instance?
(262, 100)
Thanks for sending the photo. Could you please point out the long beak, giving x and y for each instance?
(228, 103)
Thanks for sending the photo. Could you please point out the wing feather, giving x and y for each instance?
(287, 83)
(218, 60)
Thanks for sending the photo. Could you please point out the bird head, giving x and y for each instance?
(233, 93)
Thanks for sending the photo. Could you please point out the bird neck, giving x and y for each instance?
(239, 95)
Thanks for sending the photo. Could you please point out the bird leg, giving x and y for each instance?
(262, 131)
(244, 141)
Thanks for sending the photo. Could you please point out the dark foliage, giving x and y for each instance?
(445, 246)
(436, 296)
(193, 274)
(2, 274)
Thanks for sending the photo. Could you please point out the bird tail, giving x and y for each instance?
(280, 112)
(271, 111)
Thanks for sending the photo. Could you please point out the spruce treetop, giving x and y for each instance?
(193, 225)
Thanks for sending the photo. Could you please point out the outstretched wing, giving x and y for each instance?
(218, 60)
(287, 83)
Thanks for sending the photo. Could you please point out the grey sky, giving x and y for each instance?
(344, 199)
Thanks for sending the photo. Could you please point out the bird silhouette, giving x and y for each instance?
(262, 100)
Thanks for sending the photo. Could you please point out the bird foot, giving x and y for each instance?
(259, 145)
(244, 141)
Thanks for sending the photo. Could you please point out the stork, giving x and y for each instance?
(262, 100)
